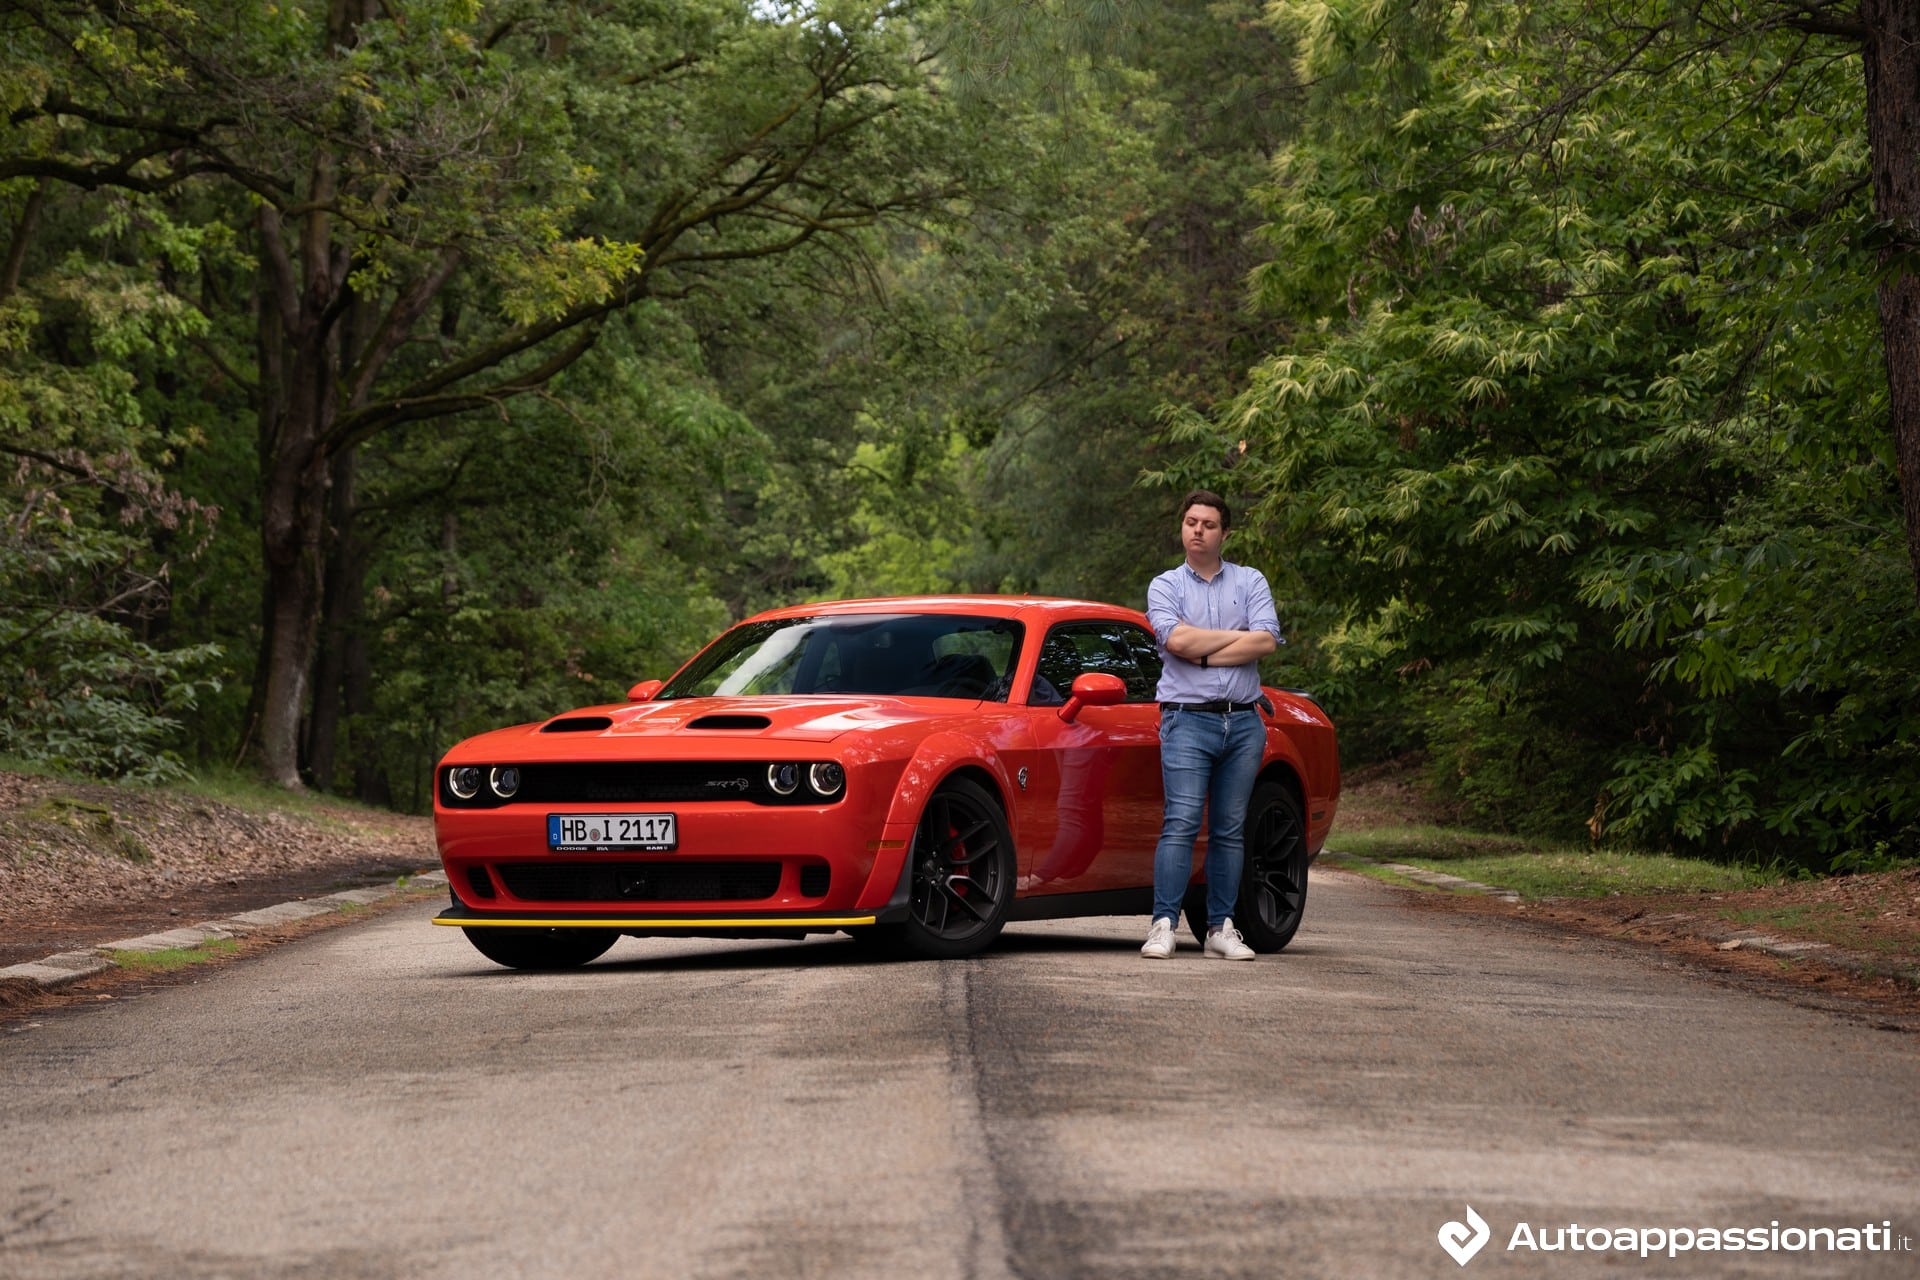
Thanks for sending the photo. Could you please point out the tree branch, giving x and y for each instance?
(397, 324)
(354, 428)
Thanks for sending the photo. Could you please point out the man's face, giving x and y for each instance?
(1201, 533)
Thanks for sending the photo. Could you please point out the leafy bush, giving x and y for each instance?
(1566, 428)
(78, 691)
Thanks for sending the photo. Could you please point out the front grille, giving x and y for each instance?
(625, 782)
(649, 782)
(640, 881)
(814, 879)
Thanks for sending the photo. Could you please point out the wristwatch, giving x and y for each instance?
(1203, 661)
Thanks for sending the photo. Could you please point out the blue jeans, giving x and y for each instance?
(1208, 760)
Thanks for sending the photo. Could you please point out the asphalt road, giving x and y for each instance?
(378, 1101)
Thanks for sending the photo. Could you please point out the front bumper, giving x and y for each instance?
(736, 862)
(684, 924)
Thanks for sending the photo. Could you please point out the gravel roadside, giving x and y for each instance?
(86, 863)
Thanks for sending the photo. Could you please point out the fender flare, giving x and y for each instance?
(938, 758)
(934, 761)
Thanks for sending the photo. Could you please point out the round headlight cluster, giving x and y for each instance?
(464, 781)
(825, 779)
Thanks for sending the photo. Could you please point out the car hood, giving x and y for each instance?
(816, 719)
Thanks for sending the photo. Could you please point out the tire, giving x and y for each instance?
(1273, 879)
(962, 884)
(1273, 876)
(541, 948)
(1195, 907)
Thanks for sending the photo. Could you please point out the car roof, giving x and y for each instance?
(987, 606)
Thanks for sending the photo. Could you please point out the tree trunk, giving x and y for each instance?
(1893, 123)
(294, 601)
(343, 606)
(22, 237)
(291, 538)
(293, 525)
(371, 785)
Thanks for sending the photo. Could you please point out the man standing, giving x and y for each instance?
(1214, 620)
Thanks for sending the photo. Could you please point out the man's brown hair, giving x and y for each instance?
(1208, 498)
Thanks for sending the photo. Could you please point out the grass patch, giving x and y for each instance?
(1828, 922)
(1534, 870)
(222, 784)
(174, 957)
(1412, 843)
(243, 790)
(93, 820)
(1386, 875)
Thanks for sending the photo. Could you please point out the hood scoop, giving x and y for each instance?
(577, 724)
(730, 722)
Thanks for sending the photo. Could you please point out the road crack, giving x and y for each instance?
(983, 1184)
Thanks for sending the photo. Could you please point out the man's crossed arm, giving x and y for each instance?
(1219, 648)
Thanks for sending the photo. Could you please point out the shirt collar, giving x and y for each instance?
(1195, 573)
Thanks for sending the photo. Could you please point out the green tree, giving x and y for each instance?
(1101, 274)
(1571, 331)
(90, 532)
(447, 201)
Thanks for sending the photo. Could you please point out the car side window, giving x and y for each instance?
(1146, 656)
(1074, 648)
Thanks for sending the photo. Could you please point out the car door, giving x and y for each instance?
(1101, 772)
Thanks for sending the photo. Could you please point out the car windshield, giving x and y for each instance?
(927, 655)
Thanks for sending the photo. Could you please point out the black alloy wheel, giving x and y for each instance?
(519, 948)
(1273, 874)
(1273, 879)
(962, 876)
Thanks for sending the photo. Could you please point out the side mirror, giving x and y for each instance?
(1093, 689)
(644, 690)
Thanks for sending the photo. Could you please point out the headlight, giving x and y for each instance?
(827, 777)
(783, 779)
(464, 781)
(504, 781)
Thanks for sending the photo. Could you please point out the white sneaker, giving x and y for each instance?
(1159, 943)
(1224, 943)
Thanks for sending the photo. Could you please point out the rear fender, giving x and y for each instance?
(1303, 754)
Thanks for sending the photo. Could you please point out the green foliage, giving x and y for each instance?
(1509, 760)
(1109, 280)
(1575, 430)
(88, 527)
(1556, 418)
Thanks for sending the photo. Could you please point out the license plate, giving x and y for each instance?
(593, 832)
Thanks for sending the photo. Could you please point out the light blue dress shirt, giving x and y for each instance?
(1238, 599)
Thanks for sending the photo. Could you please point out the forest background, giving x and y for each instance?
(376, 372)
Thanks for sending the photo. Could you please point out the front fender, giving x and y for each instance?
(936, 759)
